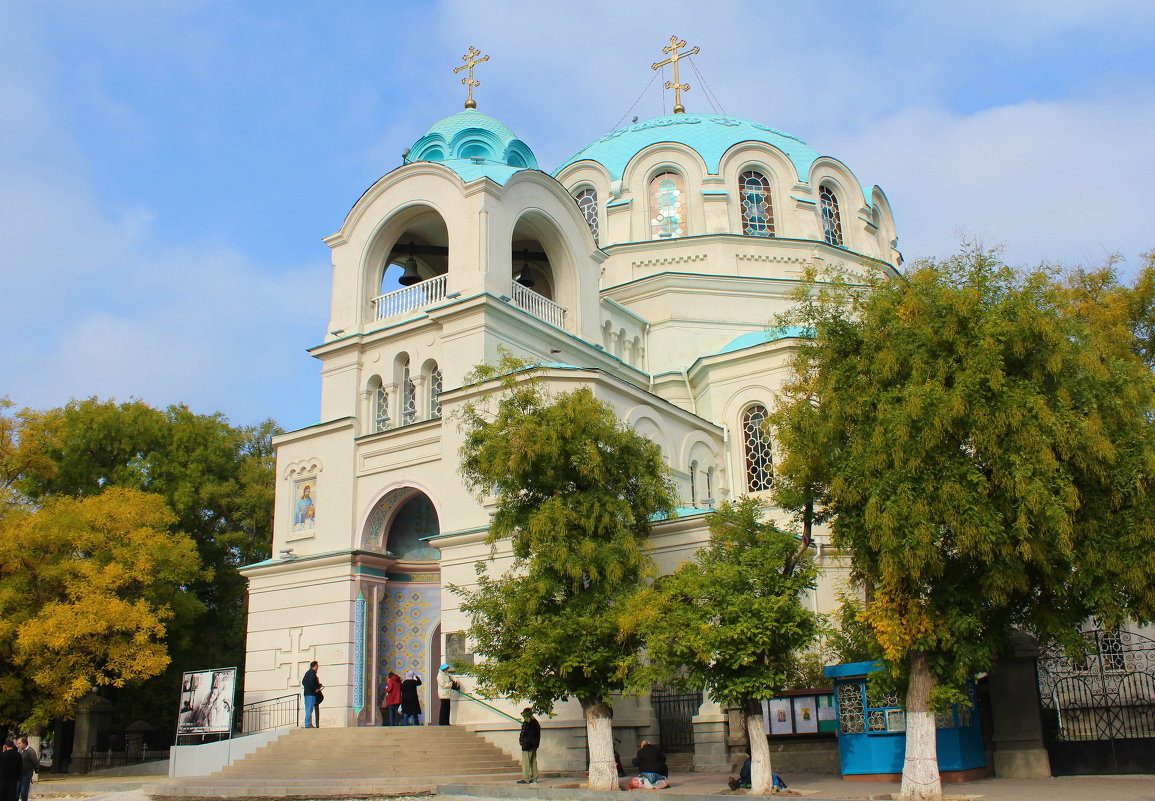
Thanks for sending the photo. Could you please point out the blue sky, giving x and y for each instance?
(168, 169)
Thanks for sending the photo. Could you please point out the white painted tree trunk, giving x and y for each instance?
(920, 777)
(761, 771)
(600, 738)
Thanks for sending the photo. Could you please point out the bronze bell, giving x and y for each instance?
(410, 276)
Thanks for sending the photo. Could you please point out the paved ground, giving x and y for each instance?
(815, 788)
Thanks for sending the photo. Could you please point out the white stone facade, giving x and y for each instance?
(372, 518)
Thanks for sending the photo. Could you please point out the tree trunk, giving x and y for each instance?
(920, 779)
(761, 771)
(603, 771)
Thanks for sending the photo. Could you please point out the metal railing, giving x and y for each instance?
(538, 305)
(477, 700)
(272, 713)
(409, 298)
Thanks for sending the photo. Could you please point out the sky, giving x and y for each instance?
(169, 169)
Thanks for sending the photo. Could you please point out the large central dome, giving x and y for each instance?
(710, 135)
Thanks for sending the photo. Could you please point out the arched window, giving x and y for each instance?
(408, 395)
(666, 193)
(831, 220)
(694, 483)
(709, 486)
(380, 407)
(435, 393)
(757, 207)
(587, 200)
(759, 461)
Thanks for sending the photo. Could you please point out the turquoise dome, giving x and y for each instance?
(477, 143)
(711, 136)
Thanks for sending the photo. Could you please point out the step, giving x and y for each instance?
(319, 788)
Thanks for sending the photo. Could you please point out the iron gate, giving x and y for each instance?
(675, 713)
(1099, 711)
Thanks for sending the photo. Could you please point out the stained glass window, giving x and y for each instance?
(408, 397)
(380, 409)
(435, 393)
(668, 220)
(831, 221)
(757, 207)
(587, 200)
(759, 461)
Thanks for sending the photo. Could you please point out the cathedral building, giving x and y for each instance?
(647, 266)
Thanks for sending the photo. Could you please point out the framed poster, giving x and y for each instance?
(304, 506)
(206, 702)
(780, 716)
(805, 714)
(827, 717)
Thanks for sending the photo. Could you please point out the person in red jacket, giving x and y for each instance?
(391, 700)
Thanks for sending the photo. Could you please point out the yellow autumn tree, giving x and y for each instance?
(87, 587)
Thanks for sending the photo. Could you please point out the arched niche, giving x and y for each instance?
(400, 525)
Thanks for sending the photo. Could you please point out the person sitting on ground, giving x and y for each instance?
(651, 765)
(743, 781)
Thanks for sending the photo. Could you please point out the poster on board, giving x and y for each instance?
(805, 714)
(779, 716)
(206, 702)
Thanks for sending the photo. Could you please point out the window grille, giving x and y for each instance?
(668, 221)
(435, 394)
(587, 200)
(757, 206)
(408, 397)
(831, 220)
(380, 409)
(759, 460)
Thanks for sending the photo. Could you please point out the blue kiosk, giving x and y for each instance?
(872, 731)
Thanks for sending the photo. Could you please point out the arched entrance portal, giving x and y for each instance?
(408, 631)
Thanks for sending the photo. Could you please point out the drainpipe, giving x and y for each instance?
(693, 403)
(646, 340)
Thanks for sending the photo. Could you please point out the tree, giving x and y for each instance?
(980, 442)
(87, 588)
(576, 492)
(733, 620)
(217, 479)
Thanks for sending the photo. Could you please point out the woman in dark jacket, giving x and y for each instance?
(410, 703)
(650, 760)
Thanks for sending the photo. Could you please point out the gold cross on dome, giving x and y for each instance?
(471, 60)
(677, 86)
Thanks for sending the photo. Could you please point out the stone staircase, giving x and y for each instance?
(352, 763)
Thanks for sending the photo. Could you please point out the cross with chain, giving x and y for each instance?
(471, 60)
(678, 87)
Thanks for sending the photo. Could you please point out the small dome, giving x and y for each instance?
(711, 136)
(475, 138)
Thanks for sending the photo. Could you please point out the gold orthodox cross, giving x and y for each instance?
(678, 87)
(471, 60)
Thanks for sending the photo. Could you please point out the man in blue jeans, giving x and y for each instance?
(311, 686)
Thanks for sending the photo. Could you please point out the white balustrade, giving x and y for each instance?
(538, 305)
(409, 298)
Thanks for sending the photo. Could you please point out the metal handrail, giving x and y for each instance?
(490, 706)
(272, 713)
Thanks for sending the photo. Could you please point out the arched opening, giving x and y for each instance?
(536, 258)
(407, 636)
(413, 267)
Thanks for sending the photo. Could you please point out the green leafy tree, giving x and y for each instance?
(216, 478)
(576, 492)
(87, 589)
(733, 621)
(980, 442)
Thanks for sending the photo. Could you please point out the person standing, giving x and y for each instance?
(29, 764)
(391, 700)
(445, 683)
(9, 771)
(311, 686)
(410, 702)
(529, 739)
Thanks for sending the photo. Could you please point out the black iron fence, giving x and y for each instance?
(272, 713)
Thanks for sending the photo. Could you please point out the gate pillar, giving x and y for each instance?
(1016, 726)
